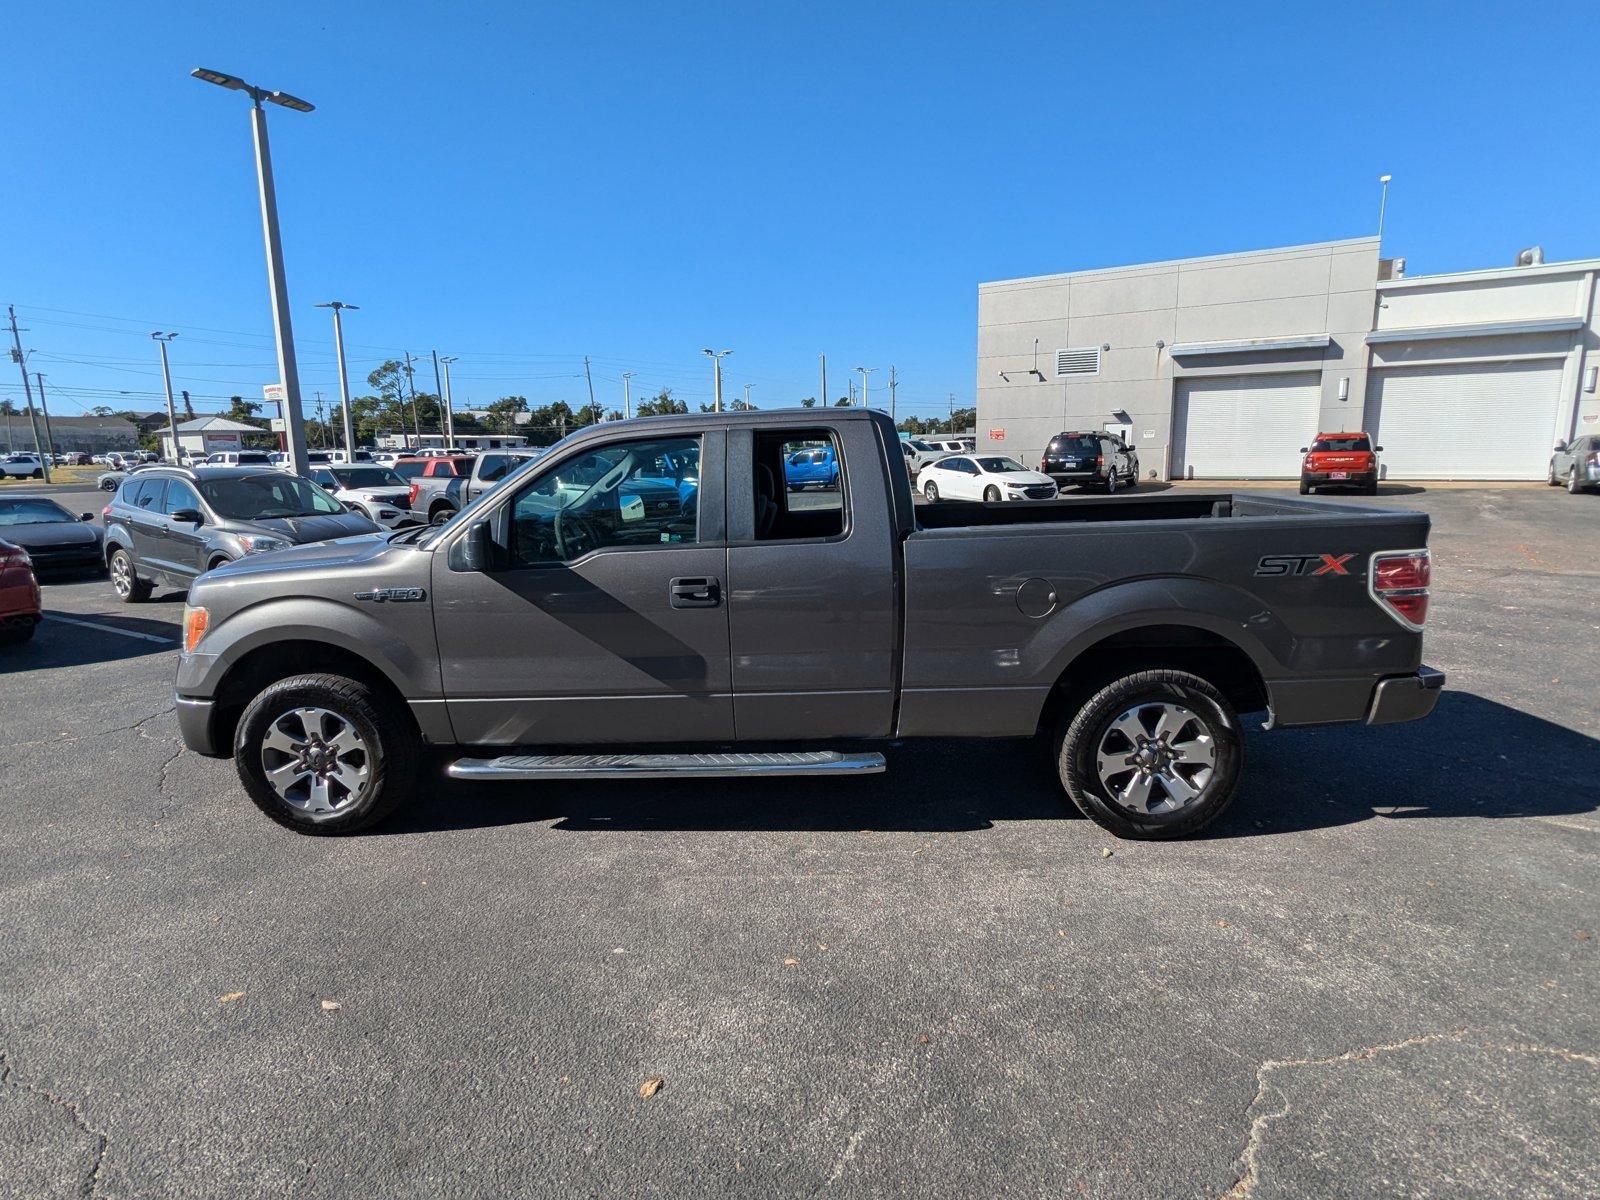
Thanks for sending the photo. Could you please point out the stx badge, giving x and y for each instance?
(1303, 564)
(395, 594)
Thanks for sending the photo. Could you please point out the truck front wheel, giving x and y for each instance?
(1156, 754)
(324, 754)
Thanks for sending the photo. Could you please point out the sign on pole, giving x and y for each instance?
(276, 393)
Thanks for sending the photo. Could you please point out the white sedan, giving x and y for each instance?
(986, 477)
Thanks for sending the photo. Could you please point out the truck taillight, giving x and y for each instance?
(1099, 461)
(411, 496)
(1594, 459)
(1044, 464)
(1398, 581)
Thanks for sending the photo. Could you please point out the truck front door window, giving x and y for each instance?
(632, 494)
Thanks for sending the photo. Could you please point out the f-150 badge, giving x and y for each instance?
(395, 594)
(1303, 564)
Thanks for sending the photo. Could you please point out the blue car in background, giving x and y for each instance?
(811, 468)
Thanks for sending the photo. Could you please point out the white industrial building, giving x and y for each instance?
(1223, 367)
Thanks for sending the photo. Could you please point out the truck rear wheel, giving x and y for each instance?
(1156, 754)
(324, 754)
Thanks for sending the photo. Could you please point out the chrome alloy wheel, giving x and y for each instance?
(315, 760)
(1156, 758)
(121, 575)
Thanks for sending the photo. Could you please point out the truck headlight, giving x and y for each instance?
(260, 543)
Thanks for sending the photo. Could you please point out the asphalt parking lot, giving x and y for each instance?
(1377, 975)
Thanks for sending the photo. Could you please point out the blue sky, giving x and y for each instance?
(521, 185)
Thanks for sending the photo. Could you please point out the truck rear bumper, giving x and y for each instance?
(1405, 697)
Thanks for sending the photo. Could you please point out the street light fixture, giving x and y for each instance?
(338, 307)
(283, 328)
(866, 372)
(716, 357)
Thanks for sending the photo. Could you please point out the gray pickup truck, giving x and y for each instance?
(437, 498)
(650, 600)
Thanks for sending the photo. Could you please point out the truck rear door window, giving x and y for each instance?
(798, 485)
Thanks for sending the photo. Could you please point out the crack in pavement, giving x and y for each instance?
(137, 727)
(90, 1184)
(1249, 1168)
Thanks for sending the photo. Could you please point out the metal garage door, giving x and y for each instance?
(1483, 421)
(1244, 426)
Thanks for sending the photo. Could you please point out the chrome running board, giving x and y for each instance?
(666, 766)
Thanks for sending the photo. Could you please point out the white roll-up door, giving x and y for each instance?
(1244, 426)
(1467, 421)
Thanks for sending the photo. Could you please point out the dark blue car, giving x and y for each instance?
(811, 468)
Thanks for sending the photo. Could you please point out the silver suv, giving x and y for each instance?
(172, 524)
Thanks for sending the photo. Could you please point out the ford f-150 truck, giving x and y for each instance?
(561, 628)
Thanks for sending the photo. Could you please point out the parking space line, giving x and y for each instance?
(145, 637)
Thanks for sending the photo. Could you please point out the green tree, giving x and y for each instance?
(963, 418)
(661, 404)
(842, 402)
(809, 402)
(99, 410)
(8, 409)
(503, 413)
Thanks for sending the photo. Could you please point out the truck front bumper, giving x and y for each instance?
(1405, 697)
(194, 725)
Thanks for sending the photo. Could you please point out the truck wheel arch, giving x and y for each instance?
(1202, 651)
(264, 665)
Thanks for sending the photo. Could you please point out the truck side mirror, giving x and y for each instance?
(1305, 450)
(1561, 447)
(1377, 449)
(474, 550)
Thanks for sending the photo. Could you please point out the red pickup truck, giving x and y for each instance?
(1340, 460)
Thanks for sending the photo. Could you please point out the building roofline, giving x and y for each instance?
(1180, 263)
(1568, 267)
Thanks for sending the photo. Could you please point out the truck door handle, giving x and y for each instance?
(703, 592)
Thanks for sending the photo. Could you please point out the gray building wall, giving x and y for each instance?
(1141, 313)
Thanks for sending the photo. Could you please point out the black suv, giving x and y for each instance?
(172, 524)
(1090, 458)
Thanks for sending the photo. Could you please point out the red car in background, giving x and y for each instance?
(1340, 460)
(19, 595)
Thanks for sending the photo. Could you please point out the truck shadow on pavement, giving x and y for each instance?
(71, 639)
(1472, 758)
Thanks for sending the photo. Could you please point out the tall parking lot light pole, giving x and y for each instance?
(449, 402)
(627, 397)
(1383, 204)
(338, 307)
(282, 326)
(716, 357)
(166, 378)
(865, 374)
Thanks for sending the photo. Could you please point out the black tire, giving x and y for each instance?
(392, 750)
(1111, 482)
(219, 561)
(125, 581)
(1552, 480)
(109, 485)
(1573, 486)
(1132, 480)
(1083, 735)
(1305, 488)
(37, 474)
(931, 491)
(16, 635)
(441, 514)
(991, 495)
(1372, 488)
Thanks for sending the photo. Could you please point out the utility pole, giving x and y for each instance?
(850, 389)
(627, 399)
(172, 413)
(952, 412)
(339, 306)
(822, 396)
(27, 390)
(892, 384)
(444, 413)
(716, 357)
(322, 421)
(449, 401)
(865, 374)
(416, 421)
(49, 435)
(593, 407)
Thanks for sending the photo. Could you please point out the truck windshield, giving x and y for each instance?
(254, 497)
